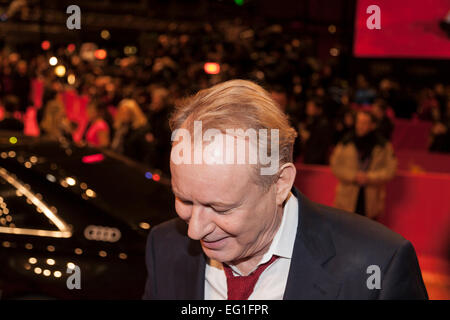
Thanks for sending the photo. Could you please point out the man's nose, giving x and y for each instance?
(200, 223)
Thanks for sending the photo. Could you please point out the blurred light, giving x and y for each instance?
(50, 262)
(45, 45)
(71, 79)
(28, 246)
(37, 270)
(332, 28)
(90, 193)
(51, 178)
(78, 251)
(144, 225)
(156, 177)
(123, 256)
(102, 254)
(27, 266)
(105, 34)
(28, 164)
(211, 68)
(12, 154)
(334, 52)
(239, 2)
(60, 71)
(70, 265)
(93, 158)
(100, 54)
(57, 274)
(148, 175)
(6, 244)
(129, 50)
(47, 272)
(83, 185)
(33, 159)
(71, 47)
(32, 260)
(13, 140)
(51, 248)
(53, 61)
(71, 181)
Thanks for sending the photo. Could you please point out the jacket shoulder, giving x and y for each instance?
(355, 231)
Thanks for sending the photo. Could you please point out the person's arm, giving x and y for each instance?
(385, 174)
(403, 278)
(339, 165)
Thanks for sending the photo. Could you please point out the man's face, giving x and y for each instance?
(231, 215)
(363, 124)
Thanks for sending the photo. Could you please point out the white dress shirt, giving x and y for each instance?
(272, 282)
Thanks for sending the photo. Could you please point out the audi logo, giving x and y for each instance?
(99, 233)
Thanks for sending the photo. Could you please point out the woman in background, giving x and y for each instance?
(132, 135)
(97, 130)
(54, 119)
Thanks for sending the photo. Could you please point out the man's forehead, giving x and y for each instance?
(227, 182)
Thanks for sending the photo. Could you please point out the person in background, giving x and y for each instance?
(345, 124)
(158, 116)
(440, 131)
(132, 135)
(315, 134)
(97, 130)
(22, 85)
(364, 93)
(54, 119)
(385, 126)
(9, 122)
(363, 162)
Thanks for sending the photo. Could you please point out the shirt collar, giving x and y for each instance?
(283, 243)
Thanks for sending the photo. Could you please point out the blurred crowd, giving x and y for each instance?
(123, 101)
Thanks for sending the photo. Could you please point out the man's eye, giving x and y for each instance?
(186, 202)
(220, 211)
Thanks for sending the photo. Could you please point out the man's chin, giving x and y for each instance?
(218, 255)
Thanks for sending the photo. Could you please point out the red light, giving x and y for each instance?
(211, 68)
(71, 47)
(156, 177)
(93, 158)
(100, 54)
(45, 45)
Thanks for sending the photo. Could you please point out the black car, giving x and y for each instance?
(74, 220)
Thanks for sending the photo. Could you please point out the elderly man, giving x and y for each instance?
(244, 232)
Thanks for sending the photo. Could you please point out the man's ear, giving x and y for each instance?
(285, 181)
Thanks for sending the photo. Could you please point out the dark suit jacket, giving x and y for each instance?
(332, 252)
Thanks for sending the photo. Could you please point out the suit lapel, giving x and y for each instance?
(313, 247)
(191, 285)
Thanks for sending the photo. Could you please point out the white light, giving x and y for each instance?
(50, 262)
(71, 181)
(32, 260)
(53, 61)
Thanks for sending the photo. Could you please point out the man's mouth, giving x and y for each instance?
(214, 244)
